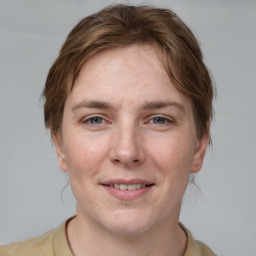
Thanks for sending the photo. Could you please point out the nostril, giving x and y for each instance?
(116, 161)
(125, 162)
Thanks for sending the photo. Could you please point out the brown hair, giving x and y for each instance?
(122, 25)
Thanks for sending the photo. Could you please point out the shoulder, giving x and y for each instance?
(195, 247)
(41, 245)
(52, 243)
(203, 249)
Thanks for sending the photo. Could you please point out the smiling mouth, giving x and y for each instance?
(127, 189)
(128, 186)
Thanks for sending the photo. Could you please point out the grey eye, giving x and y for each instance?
(96, 120)
(159, 120)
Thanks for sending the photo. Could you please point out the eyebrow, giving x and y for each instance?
(147, 106)
(163, 104)
(93, 104)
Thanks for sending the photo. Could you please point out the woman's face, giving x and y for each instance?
(128, 142)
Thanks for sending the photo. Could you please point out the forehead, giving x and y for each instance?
(136, 71)
(130, 57)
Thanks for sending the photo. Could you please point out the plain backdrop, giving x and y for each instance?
(31, 183)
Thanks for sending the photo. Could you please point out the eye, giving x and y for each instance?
(95, 120)
(160, 120)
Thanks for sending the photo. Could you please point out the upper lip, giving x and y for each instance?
(127, 182)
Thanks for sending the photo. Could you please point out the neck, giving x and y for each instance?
(86, 238)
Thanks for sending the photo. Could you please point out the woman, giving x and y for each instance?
(128, 103)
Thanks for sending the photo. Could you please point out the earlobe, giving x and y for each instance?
(59, 151)
(199, 153)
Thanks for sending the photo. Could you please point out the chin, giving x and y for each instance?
(129, 223)
(127, 230)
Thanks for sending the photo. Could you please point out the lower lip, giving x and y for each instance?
(128, 194)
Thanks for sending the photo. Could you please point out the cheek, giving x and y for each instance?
(84, 155)
(174, 159)
(174, 154)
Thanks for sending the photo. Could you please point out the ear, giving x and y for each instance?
(59, 150)
(200, 150)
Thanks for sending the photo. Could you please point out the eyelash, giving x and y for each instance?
(89, 121)
(163, 119)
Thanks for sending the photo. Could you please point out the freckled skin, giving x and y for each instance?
(128, 142)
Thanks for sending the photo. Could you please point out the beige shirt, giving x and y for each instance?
(54, 243)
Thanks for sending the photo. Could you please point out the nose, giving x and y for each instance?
(127, 146)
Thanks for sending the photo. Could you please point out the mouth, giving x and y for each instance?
(127, 189)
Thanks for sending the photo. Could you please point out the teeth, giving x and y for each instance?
(128, 187)
(116, 185)
(138, 185)
(132, 187)
(123, 187)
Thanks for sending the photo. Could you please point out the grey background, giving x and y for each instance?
(31, 197)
